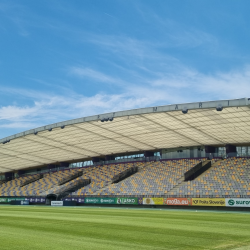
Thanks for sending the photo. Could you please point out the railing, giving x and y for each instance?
(121, 161)
(128, 160)
(158, 196)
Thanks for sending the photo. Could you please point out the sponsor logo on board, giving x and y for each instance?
(132, 201)
(178, 201)
(56, 203)
(238, 202)
(153, 201)
(208, 202)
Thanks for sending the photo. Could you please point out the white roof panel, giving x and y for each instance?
(130, 131)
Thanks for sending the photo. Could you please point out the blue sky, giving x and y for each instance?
(62, 60)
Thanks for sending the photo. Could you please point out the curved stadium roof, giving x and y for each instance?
(129, 131)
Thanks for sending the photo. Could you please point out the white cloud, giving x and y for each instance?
(18, 125)
(232, 84)
(15, 113)
(146, 76)
(186, 86)
(92, 74)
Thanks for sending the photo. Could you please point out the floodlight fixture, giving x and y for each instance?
(219, 107)
(185, 110)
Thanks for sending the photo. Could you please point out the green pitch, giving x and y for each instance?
(29, 227)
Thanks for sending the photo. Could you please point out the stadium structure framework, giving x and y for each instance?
(213, 123)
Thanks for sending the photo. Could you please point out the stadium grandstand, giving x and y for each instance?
(181, 151)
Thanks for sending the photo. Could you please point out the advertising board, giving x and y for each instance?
(56, 203)
(92, 200)
(3, 200)
(36, 199)
(178, 201)
(67, 199)
(219, 202)
(8, 200)
(152, 201)
(107, 200)
(15, 199)
(80, 200)
(130, 201)
(238, 202)
(96, 200)
(74, 199)
(26, 202)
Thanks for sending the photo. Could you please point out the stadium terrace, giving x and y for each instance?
(193, 154)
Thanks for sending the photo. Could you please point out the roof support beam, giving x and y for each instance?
(174, 131)
(68, 145)
(19, 152)
(201, 131)
(19, 157)
(121, 135)
(105, 137)
(63, 144)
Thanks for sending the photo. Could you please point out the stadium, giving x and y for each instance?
(194, 150)
(193, 155)
(124, 125)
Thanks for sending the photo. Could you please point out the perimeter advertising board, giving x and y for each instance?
(67, 199)
(238, 202)
(56, 203)
(178, 201)
(129, 201)
(80, 200)
(107, 200)
(152, 201)
(219, 202)
(100, 200)
(3, 200)
(36, 199)
(26, 202)
(8, 200)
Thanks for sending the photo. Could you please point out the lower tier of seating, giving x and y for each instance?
(228, 178)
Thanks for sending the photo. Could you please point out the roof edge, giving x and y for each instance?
(157, 109)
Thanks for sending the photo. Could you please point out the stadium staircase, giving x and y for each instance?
(190, 188)
(176, 187)
(68, 178)
(2, 182)
(198, 170)
(34, 178)
(125, 174)
(120, 177)
(66, 190)
(143, 167)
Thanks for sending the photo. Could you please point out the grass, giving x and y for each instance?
(37, 227)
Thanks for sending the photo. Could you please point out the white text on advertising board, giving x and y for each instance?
(238, 202)
(56, 203)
